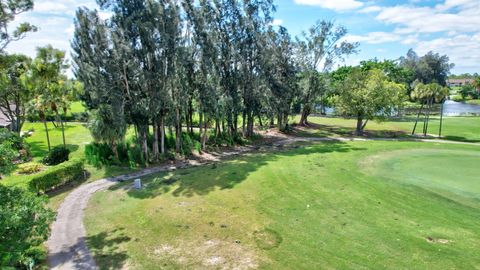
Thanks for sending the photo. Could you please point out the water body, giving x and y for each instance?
(453, 108)
(450, 108)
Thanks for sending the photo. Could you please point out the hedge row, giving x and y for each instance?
(57, 176)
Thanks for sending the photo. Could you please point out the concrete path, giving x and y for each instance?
(66, 246)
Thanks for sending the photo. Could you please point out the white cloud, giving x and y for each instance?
(277, 22)
(410, 39)
(338, 5)
(370, 9)
(54, 19)
(374, 37)
(465, 17)
(463, 50)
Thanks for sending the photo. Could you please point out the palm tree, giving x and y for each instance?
(428, 95)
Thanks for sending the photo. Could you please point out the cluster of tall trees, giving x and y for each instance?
(430, 68)
(219, 63)
(39, 86)
(36, 87)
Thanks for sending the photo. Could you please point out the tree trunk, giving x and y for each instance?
(235, 122)
(305, 113)
(143, 131)
(201, 130)
(18, 119)
(190, 116)
(243, 122)
(155, 149)
(250, 121)
(360, 126)
(217, 127)
(416, 121)
(46, 131)
(280, 121)
(204, 136)
(63, 128)
(178, 131)
(230, 123)
(115, 149)
(427, 117)
(162, 134)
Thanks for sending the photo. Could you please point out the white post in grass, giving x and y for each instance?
(138, 183)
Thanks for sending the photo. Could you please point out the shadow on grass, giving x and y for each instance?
(320, 130)
(460, 139)
(226, 175)
(40, 149)
(105, 247)
(106, 250)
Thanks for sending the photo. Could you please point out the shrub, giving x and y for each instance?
(24, 226)
(58, 155)
(12, 137)
(225, 138)
(80, 117)
(457, 98)
(57, 176)
(101, 154)
(190, 144)
(98, 154)
(7, 155)
(29, 168)
(134, 155)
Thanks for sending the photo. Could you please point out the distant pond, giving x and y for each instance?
(450, 108)
(453, 108)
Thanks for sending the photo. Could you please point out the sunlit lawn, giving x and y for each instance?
(454, 128)
(77, 136)
(357, 205)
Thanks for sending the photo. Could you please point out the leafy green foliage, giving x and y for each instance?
(368, 95)
(14, 93)
(429, 92)
(430, 68)
(320, 48)
(10, 9)
(56, 156)
(24, 226)
(468, 90)
(7, 155)
(29, 168)
(16, 141)
(57, 176)
(98, 154)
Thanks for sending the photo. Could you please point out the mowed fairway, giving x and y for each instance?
(357, 205)
(454, 128)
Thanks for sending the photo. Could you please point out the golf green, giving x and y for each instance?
(448, 172)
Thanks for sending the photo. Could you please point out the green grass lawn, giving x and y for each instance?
(473, 101)
(357, 205)
(77, 136)
(454, 128)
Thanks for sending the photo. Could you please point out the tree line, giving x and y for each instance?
(202, 69)
(164, 63)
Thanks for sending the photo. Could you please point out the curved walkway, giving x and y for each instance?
(66, 245)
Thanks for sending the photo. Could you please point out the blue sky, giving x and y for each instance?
(386, 29)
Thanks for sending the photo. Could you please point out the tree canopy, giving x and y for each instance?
(368, 95)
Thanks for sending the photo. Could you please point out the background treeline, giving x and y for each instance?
(194, 70)
(189, 67)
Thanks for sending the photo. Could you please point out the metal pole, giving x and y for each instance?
(441, 119)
